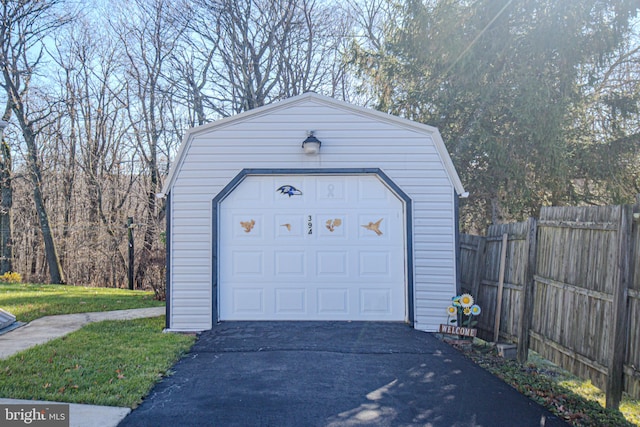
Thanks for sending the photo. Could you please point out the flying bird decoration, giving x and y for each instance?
(374, 226)
(248, 225)
(289, 190)
(288, 226)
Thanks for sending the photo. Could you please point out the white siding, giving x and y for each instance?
(213, 155)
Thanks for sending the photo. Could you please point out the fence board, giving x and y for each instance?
(584, 313)
(514, 277)
(528, 295)
(574, 285)
(501, 274)
(471, 252)
(621, 282)
(632, 359)
(632, 356)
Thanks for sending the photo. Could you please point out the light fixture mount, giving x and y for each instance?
(311, 145)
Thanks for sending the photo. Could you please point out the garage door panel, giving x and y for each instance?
(375, 264)
(332, 226)
(331, 189)
(248, 301)
(333, 301)
(290, 301)
(286, 191)
(370, 193)
(375, 227)
(328, 248)
(290, 263)
(375, 302)
(252, 193)
(247, 226)
(288, 227)
(332, 263)
(247, 263)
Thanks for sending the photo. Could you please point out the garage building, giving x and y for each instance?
(311, 209)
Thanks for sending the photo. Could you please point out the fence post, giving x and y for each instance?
(130, 226)
(527, 299)
(503, 261)
(478, 267)
(617, 347)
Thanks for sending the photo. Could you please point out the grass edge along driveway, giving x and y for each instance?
(111, 363)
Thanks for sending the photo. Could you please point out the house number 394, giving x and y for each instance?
(309, 224)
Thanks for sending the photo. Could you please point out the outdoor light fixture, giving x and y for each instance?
(311, 145)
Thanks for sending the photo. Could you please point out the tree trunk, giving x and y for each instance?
(6, 202)
(56, 274)
(150, 234)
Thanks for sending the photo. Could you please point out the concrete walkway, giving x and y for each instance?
(48, 328)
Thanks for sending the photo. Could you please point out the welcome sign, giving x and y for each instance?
(458, 330)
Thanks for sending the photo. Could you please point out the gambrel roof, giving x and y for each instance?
(307, 98)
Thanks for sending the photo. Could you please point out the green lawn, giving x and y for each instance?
(31, 301)
(113, 363)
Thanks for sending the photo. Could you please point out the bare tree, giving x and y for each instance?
(92, 131)
(311, 57)
(149, 34)
(24, 26)
(258, 51)
(369, 20)
(189, 74)
(6, 202)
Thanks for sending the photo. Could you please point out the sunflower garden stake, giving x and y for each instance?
(461, 306)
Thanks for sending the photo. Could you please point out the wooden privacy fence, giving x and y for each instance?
(568, 291)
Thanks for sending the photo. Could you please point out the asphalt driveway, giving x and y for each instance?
(331, 374)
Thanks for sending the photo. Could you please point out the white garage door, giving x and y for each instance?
(297, 247)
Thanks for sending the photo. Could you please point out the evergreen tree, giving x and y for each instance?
(501, 80)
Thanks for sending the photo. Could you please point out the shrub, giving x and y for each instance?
(11, 277)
